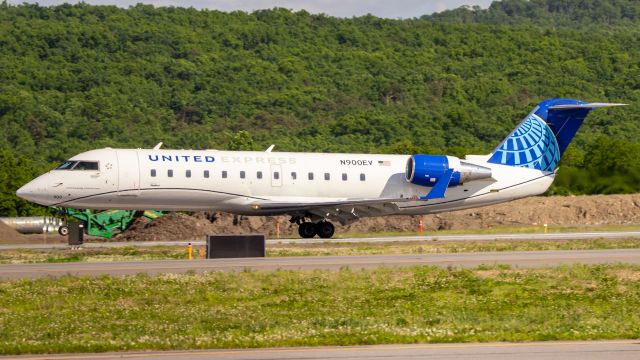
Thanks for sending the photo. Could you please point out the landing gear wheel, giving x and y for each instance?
(63, 230)
(307, 230)
(325, 229)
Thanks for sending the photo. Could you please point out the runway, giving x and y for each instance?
(519, 259)
(386, 239)
(566, 350)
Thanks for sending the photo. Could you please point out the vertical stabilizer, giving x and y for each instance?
(543, 136)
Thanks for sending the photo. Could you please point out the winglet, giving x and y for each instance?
(440, 187)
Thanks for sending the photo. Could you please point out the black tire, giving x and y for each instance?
(63, 230)
(325, 229)
(307, 230)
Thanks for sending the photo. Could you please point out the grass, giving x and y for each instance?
(310, 308)
(125, 253)
(133, 253)
(433, 247)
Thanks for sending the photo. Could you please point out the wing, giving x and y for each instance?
(344, 211)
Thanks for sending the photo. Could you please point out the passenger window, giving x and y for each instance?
(293, 175)
(188, 173)
(310, 176)
(224, 174)
(362, 177)
(344, 177)
(242, 174)
(276, 175)
(206, 174)
(170, 173)
(327, 176)
(86, 165)
(259, 175)
(153, 172)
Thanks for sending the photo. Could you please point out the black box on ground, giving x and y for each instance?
(76, 233)
(235, 246)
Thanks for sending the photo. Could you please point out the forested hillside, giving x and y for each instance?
(75, 77)
(569, 13)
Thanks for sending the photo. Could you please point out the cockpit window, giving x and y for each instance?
(67, 165)
(87, 165)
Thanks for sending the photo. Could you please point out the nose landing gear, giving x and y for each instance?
(307, 229)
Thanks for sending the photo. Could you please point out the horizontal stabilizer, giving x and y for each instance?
(584, 106)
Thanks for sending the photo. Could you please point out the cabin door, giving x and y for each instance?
(128, 173)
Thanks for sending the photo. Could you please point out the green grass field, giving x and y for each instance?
(134, 253)
(431, 247)
(286, 308)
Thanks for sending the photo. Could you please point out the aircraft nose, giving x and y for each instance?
(26, 192)
(23, 192)
(34, 191)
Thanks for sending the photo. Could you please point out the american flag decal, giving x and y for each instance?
(384, 163)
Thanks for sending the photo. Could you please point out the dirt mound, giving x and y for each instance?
(177, 226)
(555, 210)
(173, 226)
(9, 236)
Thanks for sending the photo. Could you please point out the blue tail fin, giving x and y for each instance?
(543, 136)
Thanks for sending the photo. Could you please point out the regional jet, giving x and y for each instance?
(315, 189)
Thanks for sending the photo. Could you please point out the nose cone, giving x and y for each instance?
(22, 192)
(35, 191)
(26, 192)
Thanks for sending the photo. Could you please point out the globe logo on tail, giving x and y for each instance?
(531, 145)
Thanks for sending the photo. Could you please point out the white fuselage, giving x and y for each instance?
(212, 180)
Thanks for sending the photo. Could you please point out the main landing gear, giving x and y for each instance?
(307, 229)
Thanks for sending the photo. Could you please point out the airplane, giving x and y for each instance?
(314, 189)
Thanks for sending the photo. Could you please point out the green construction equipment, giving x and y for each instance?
(107, 223)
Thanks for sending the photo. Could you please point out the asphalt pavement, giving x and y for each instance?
(565, 350)
(386, 239)
(516, 259)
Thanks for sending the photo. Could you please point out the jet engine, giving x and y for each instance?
(427, 170)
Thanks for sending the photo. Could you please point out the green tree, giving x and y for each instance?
(76, 77)
(15, 171)
(242, 140)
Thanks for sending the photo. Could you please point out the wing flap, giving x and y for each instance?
(344, 211)
(291, 206)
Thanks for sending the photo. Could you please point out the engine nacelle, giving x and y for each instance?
(426, 170)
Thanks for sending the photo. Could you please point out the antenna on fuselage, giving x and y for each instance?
(158, 146)
(270, 148)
